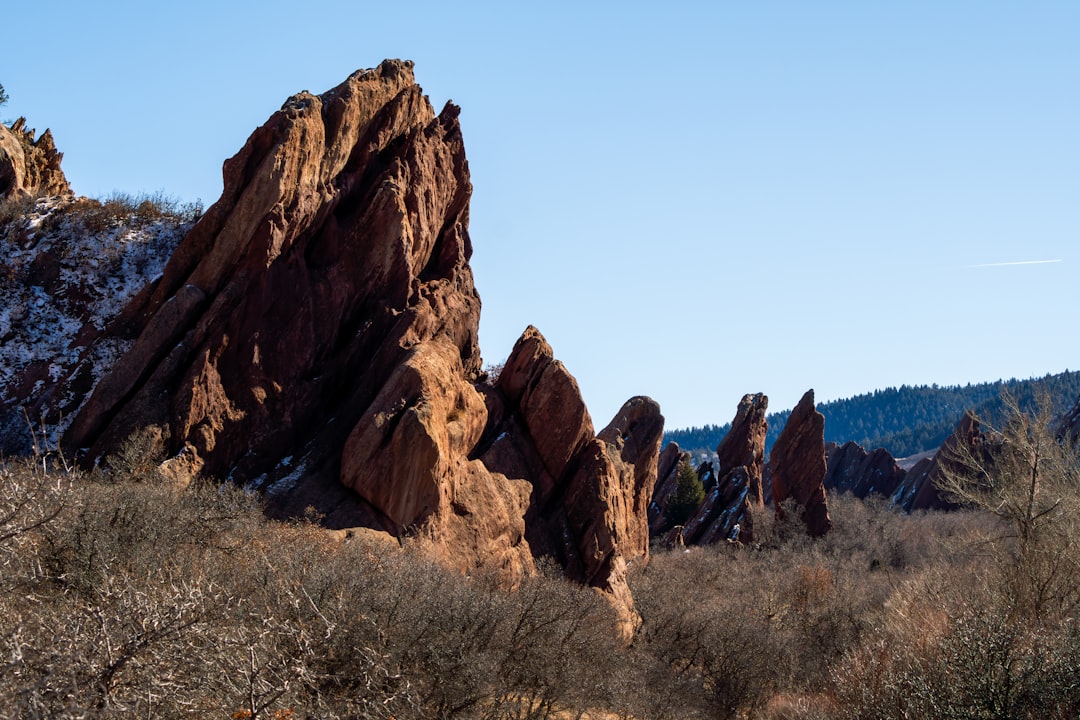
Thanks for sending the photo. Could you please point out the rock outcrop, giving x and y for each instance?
(798, 466)
(744, 443)
(667, 481)
(1069, 428)
(919, 490)
(314, 335)
(733, 487)
(590, 493)
(30, 168)
(852, 469)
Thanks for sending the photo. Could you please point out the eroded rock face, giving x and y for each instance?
(30, 168)
(919, 490)
(744, 444)
(338, 245)
(852, 469)
(590, 493)
(667, 480)
(798, 466)
(726, 513)
(315, 335)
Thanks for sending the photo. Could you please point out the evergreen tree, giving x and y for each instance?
(3, 96)
(687, 498)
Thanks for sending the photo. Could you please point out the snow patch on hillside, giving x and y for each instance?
(66, 271)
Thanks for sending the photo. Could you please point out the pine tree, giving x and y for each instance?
(687, 498)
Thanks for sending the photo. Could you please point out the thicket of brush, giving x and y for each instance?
(122, 596)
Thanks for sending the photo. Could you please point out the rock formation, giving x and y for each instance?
(590, 493)
(744, 443)
(30, 168)
(726, 513)
(798, 467)
(852, 469)
(667, 480)
(1069, 428)
(919, 490)
(314, 335)
(733, 487)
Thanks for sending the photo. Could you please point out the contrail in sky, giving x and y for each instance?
(1018, 262)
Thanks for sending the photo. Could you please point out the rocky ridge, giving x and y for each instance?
(29, 167)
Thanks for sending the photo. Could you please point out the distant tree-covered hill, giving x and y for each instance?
(904, 420)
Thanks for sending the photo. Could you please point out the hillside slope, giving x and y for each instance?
(906, 420)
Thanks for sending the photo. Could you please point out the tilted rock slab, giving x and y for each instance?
(315, 335)
(667, 481)
(733, 489)
(798, 466)
(852, 469)
(744, 443)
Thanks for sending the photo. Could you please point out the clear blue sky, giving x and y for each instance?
(690, 203)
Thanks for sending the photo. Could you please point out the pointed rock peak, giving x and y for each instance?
(798, 465)
(744, 443)
(530, 355)
(639, 414)
(30, 167)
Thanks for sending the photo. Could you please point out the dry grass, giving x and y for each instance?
(124, 596)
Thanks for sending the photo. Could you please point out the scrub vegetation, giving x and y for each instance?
(124, 596)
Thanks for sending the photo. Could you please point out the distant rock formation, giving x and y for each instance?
(732, 487)
(798, 467)
(852, 469)
(744, 443)
(1069, 428)
(919, 489)
(667, 480)
(30, 168)
(314, 335)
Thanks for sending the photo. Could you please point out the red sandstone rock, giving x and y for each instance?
(798, 465)
(852, 469)
(725, 514)
(315, 334)
(744, 443)
(667, 479)
(29, 167)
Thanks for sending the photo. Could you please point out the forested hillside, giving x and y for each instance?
(905, 420)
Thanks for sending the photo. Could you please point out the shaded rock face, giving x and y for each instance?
(919, 490)
(314, 335)
(852, 469)
(338, 246)
(797, 465)
(732, 488)
(744, 444)
(30, 168)
(667, 480)
(726, 513)
(1069, 429)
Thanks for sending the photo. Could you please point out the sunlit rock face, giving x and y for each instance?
(29, 167)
